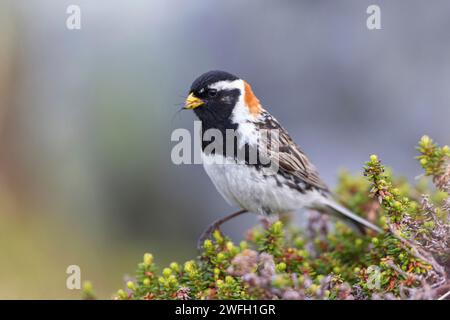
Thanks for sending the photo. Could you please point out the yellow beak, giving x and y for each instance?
(192, 102)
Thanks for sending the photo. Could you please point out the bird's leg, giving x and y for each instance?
(215, 226)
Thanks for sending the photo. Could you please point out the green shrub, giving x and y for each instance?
(410, 260)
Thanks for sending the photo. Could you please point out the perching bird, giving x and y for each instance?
(227, 104)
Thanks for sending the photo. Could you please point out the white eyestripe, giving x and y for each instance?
(228, 85)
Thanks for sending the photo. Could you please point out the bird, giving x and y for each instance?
(242, 171)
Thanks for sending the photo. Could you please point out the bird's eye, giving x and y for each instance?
(212, 93)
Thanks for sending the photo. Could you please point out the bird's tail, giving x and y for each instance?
(354, 221)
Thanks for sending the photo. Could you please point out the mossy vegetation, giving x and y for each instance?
(410, 260)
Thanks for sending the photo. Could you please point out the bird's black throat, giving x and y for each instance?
(216, 114)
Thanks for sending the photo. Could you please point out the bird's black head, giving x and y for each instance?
(213, 96)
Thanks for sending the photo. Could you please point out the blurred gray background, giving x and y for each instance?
(86, 116)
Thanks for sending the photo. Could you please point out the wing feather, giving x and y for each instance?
(291, 159)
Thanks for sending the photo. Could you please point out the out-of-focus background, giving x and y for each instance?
(86, 117)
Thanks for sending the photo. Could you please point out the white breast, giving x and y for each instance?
(247, 188)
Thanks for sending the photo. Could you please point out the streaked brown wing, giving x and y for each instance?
(291, 160)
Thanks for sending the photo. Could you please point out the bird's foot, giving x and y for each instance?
(207, 234)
